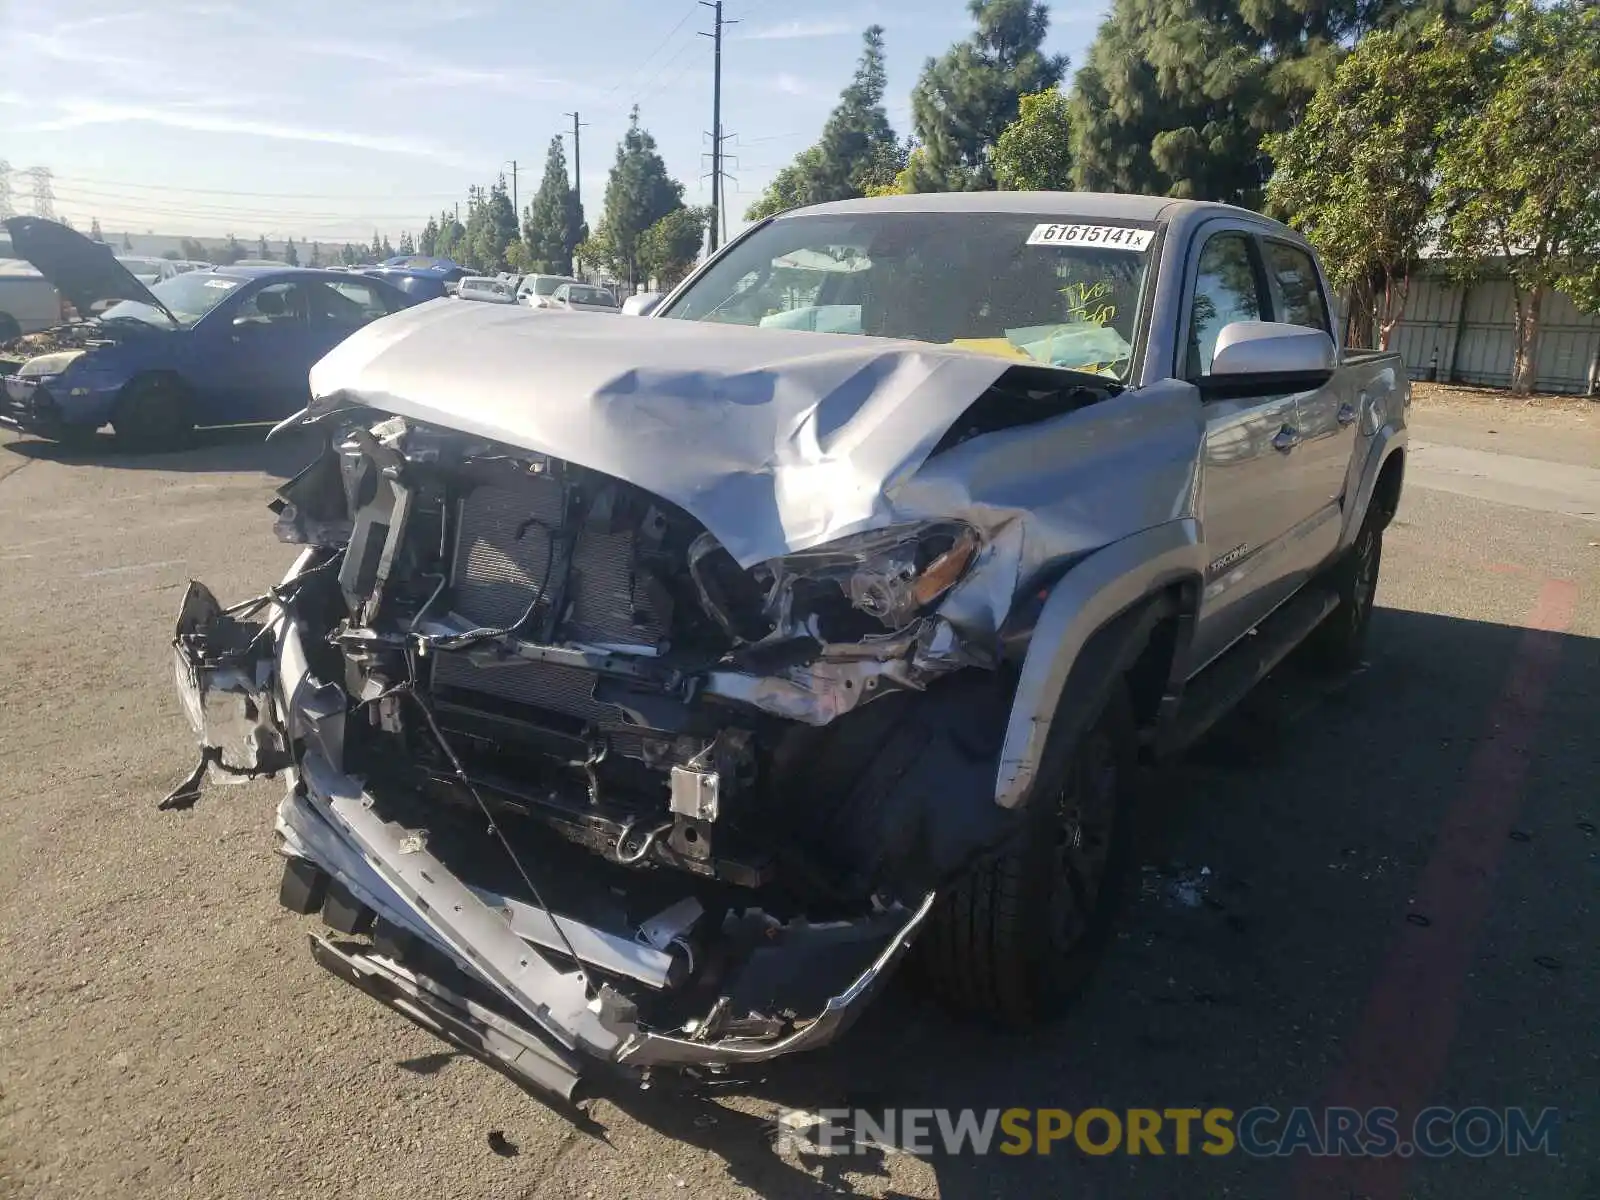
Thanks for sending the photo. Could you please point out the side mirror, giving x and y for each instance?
(1268, 358)
(642, 304)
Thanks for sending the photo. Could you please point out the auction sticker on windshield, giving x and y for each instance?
(219, 283)
(1112, 237)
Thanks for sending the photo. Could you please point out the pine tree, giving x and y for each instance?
(965, 99)
(94, 230)
(551, 225)
(428, 243)
(638, 194)
(858, 148)
(407, 246)
(261, 247)
(291, 256)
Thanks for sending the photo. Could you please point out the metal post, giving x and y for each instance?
(716, 116)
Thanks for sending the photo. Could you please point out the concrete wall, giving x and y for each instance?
(1475, 345)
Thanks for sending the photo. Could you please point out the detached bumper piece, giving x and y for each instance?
(223, 665)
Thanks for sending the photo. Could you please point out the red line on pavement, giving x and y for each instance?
(1400, 1048)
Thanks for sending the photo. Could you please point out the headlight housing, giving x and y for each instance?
(850, 589)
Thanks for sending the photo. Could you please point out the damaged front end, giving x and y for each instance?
(577, 786)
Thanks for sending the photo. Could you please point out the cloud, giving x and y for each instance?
(795, 30)
(408, 68)
(77, 114)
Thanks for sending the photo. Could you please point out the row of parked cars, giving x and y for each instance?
(155, 348)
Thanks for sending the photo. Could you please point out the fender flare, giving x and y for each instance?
(1087, 600)
(1388, 441)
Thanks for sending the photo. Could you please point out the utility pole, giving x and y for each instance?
(514, 206)
(577, 163)
(716, 111)
(43, 195)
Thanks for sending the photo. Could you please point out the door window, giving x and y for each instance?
(1296, 295)
(350, 304)
(1226, 289)
(275, 304)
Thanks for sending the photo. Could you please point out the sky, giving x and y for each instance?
(327, 121)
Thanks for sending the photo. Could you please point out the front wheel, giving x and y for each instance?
(153, 414)
(1340, 641)
(1017, 937)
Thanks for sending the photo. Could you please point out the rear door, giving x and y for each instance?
(1326, 417)
(1251, 495)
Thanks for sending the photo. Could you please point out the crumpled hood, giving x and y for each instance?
(84, 272)
(774, 440)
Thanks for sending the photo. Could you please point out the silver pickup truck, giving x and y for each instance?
(647, 689)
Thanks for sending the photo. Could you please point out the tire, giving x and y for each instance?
(153, 414)
(1017, 937)
(1340, 641)
(9, 328)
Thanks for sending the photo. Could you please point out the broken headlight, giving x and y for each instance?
(861, 585)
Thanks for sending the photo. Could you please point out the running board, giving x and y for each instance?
(507, 1047)
(1217, 690)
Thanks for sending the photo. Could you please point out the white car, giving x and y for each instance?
(584, 297)
(536, 290)
(27, 301)
(146, 270)
(487, 288)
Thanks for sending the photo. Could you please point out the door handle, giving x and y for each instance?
(1347, 413)
(1287, 439)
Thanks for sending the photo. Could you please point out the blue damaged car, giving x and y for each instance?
(227, 346)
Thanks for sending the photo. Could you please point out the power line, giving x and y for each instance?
(660, 46)
(167, 187)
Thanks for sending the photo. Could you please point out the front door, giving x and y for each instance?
(1252, 496)
(265, 355)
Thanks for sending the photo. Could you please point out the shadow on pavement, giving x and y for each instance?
(230, 448)
(1276, 865)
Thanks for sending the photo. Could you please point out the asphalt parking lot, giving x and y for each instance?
(1381, 891)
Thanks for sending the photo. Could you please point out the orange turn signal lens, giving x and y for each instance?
(943, 572)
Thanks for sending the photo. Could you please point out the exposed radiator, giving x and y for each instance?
(503, 559)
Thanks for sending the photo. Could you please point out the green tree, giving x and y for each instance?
(550, 226)
(428, 243)
(231, 251)
(291, 256)
(94, 230)
(351, 255)
(1517, 181)
(127, 244)
(965, 98)
(1175, 97)
(406, 246)
(491, 226)
(170, 255)
(316, 254)
(1357, 173)
(452, 236)
(669, 248)
(858, 149)
(261, 247)
(639, 193)
(1034, 152)
(599, 250)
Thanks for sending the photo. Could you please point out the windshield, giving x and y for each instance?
(489, 287)
(1035, 288)
(591, 295)
(190, 296)
(544, 285)
(141, 266)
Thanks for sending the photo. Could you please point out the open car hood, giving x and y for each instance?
(84, 272)
(774, 440)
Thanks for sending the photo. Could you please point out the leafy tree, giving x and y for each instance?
(1517, 183)
(406, 246)
(451, 240)
(599, 250)
(519, 258)
(291, 256)
(94, 230)
(552, 223)
(1357, 173)
(1034, 152)
(231, 251)
(428, 243)
(193, 250)
(638, 194)
(261, 247)
(1175, 97)
(858, 148)
(669, 248)
(127, 244)
(964, 99)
